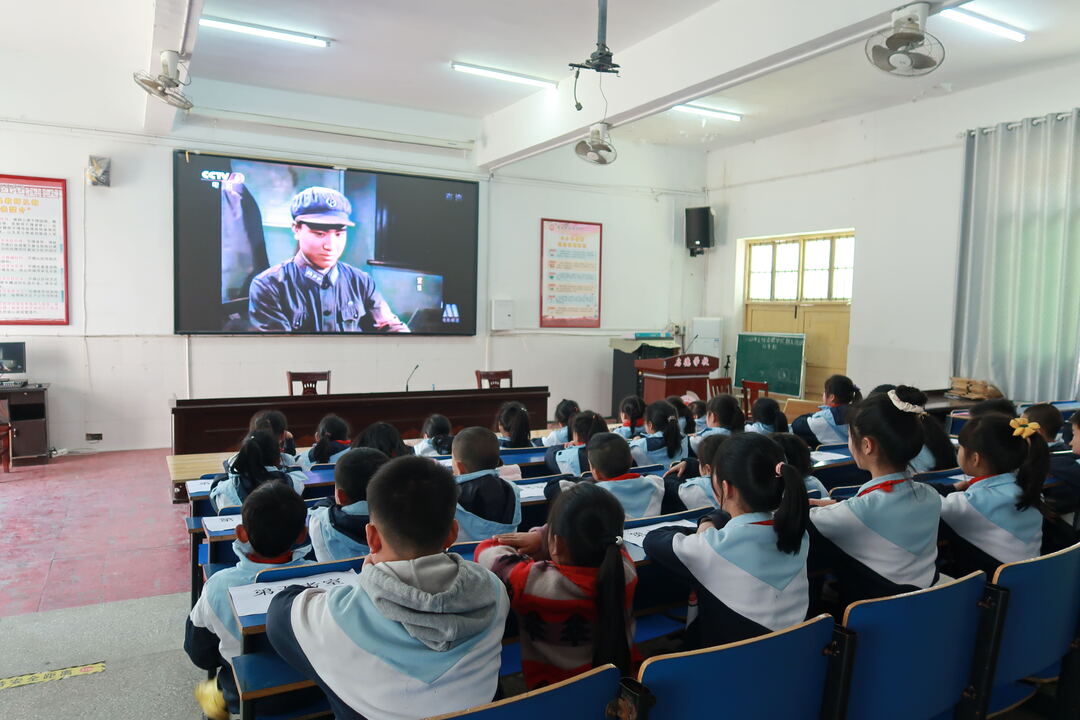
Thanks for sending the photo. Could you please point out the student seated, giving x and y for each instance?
(698, 410)
(1064, 492)
(419, 631)
(331, 440)
(565, 410)
(438, 435)
(1050, 423)
(937, 452)
(512, 420)
(797, 453)
(767, 417)
(663, 442)
(258, 461)
(697, 491)
(686, 417)
(994, 517)
(829, 425)
(611, 460)
(883, 541)
(632, 417)
(1005, 406)
(571, 585)
(383, 437)
(487, 504)
(722, 415)
(748, 564)
(274, 422)
(573, 459)
(272, 523)
(338, 531)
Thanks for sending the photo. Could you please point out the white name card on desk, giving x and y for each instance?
(636, 536)
(198, 486)
(217, 523)
(255, 599)
(824, 458)
(532, 491)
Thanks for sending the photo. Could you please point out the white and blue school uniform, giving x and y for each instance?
(758, 427)
(424, 448)
(881, 542)
(501, 502)
(338, 532)
(698, 492)
(212, 625)
(985, 517)
(695, 441)
(504, 442)
(227, 492)
(287, 461)
(306, 462)
(745, 586)
(404, 640)
(640, 495)
(558, 436)
(828, 426)
(572, 460)
(651, 450)
(700, 424)
(813, 484)
(1065, 469)
(629, 433)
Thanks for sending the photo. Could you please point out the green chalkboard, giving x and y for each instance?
(775, 358)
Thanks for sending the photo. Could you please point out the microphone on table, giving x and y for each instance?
(417, 367)
(692, 341)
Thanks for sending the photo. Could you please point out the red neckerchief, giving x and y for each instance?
(833, 405)
(346, 443)
(639, 423)
(627, 476)
(762, 522)
(279, 560)
(886, 486)
(978, 479)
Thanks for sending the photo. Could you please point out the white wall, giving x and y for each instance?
(895, 176)
(117, 366)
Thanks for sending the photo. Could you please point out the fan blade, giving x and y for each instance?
(177, 99)
(903, 38)
(880, 57)
(920, 61)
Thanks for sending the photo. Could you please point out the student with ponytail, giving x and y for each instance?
(274, 422)
(438, 437)
(512, 422)
(797, 453)
(686, 416)
(561, 435)
(829, 425)
(882, 541)
(699, 411)
(749, 571)
(632, 417)
(573, 459)
(572, 587)
(331, 440)
(767, 417)
(937, 451)
(995, 517)
(663, 442)
(258, 461)
(722, 415)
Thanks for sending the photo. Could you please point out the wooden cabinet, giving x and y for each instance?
(25, 409)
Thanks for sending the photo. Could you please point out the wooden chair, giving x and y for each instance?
(7, 435)
(494, 378)
(585, 695)
(750, 392)
(719, 386)
(308, 381)
(930, 634)
(794, 407)
(685, 684)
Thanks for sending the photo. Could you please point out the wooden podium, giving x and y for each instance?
(662, 377)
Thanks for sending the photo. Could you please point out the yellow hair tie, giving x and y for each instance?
(1023, 428)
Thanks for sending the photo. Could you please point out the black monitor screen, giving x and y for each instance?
(12, 357)
(266, 247)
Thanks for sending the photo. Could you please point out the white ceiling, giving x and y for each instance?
(398, 52)
(843, 83)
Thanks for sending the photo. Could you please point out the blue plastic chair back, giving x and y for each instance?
(1040, 620)
(299, 571)
(844, 492)
(692, 514)
(956, 421)
(730, 680)
(466, 550)
(914, 652)
(583, 696)
(942, 477)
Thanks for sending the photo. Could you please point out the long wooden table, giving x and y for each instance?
(218, 424)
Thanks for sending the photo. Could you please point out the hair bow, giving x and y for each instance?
(1023, 428)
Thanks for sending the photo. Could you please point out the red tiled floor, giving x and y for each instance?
(88, 529)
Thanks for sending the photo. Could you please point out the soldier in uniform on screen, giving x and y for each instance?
(312, 291)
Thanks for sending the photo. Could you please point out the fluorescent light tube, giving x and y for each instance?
(709, 112)
(979, 22)
(263, 32)
(502, 75)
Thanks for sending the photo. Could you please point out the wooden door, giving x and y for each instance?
(825, 326)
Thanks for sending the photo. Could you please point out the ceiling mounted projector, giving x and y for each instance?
(601, 59)
(166, 85)
(906, 49)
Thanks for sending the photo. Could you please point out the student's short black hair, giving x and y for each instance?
(698, 408)
(273, 515)
(708, 447)
(411, 500)
(1048, 417)
(843, 389)
(477, 448)
(609, 453)
(994, 405)
(385, 438)
(272, 420)
(354, 470)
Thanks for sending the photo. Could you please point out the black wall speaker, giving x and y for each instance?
(699, 229)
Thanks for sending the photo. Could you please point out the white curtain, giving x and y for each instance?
(1018, 301)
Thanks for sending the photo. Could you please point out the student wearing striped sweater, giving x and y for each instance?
(571, 585)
